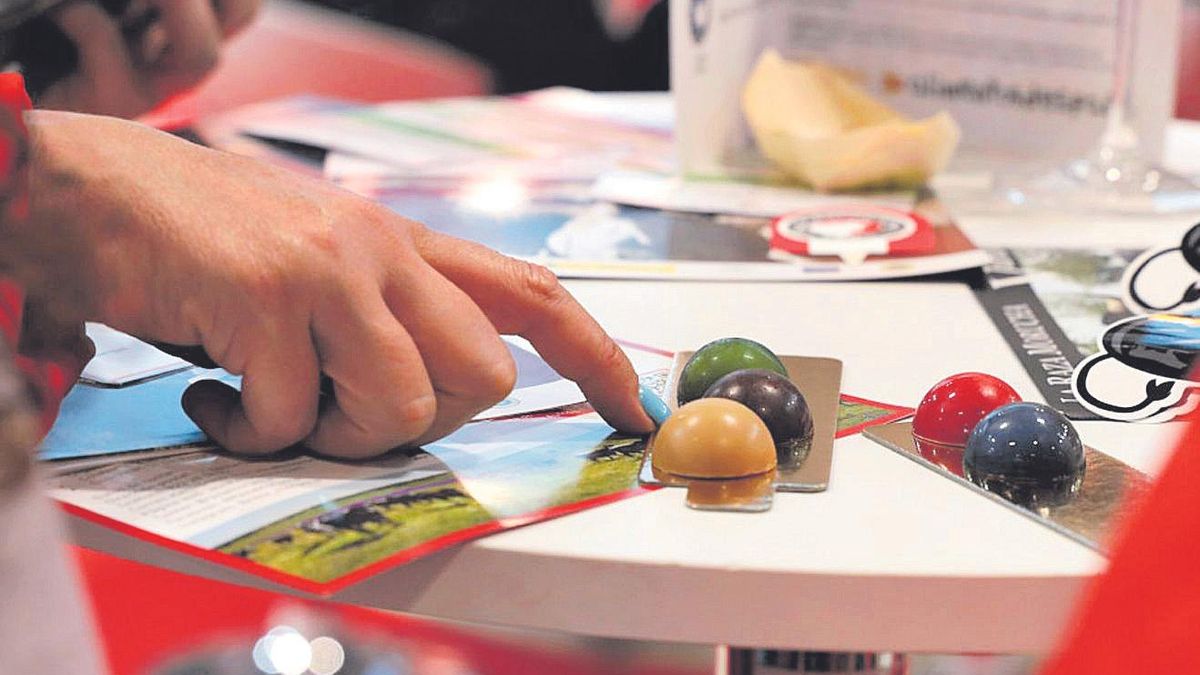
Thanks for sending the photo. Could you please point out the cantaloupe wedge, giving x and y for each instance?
(826, 131)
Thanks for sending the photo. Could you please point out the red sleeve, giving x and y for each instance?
(49, 379)
(1143, 614)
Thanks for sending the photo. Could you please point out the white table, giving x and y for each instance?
(891, 557)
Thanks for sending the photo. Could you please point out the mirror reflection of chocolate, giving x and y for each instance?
(1043, 491)
(949, 457)
(1108, 488)
(728, 493)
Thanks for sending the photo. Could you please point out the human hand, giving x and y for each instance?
(280, 279)
(153, 50)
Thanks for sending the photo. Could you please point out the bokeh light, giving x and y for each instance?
(282, 651)
(495, 195)
(290, 653)
(328, 656)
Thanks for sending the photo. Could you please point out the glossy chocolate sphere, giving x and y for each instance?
(775, 400)
(952, 408)
(719, 358)
(713, 438)
(1028, 453)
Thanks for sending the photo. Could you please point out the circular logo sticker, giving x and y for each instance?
(847, 225)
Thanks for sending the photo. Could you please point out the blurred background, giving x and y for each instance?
(609, 45)
(387, 50)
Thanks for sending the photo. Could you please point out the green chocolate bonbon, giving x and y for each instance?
(719, 358)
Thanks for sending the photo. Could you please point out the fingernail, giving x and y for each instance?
(654, 406)
(201, 395)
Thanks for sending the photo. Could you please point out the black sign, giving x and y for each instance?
(1043, 349)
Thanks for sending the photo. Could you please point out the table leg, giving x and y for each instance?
(745, 661)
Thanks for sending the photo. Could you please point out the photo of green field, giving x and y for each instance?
(323, 544)
(853, 413)
(1080, 288)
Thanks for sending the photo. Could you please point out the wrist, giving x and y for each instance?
(44, 251)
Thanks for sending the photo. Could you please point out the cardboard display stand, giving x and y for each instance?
(1023, 78)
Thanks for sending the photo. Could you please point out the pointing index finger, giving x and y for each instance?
(525, 299)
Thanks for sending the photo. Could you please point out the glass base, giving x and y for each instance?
(745, 661)
(1108, 181)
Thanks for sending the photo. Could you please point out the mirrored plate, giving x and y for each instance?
(1109, 486)
(820, 381)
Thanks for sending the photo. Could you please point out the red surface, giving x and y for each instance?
(1143, 614)
(952, 408)
(1187, 80)
(146, 615)
(294, 49)
(949, 457)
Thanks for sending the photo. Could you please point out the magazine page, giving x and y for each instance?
(464, 137)
(320, 525)
(105, 421)
(578, 238)
(517, 174)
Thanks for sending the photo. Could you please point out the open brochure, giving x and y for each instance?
(319, 525)
(103, 422)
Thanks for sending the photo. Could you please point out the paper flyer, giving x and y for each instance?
(695, 195)
(458, 137)
(121, 359)
(145, 415)
(585, 197)
(578, 238)
(1050, 305)
(320, 525)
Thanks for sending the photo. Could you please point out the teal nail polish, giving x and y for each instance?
(654, 406)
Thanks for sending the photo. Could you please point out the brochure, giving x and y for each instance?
(530, 137)
(578, 238)
(320, 526)
(535, 177)
(146, 416)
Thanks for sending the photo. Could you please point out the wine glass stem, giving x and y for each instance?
(1120, 133)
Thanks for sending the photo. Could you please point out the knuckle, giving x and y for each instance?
(538, 282)
(413, 417)
(280, 432)
(267, 289)
(321, 236)
(370, 213)
(609, 358)
(497, 379)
